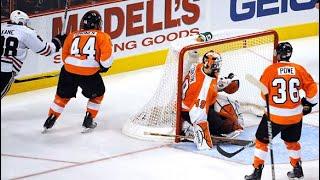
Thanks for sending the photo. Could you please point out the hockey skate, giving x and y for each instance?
(296, 173)
(49, 123)
(88, 123)
(256, 175)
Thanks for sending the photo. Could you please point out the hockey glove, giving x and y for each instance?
(103, 69)
(307, 106)
(58, 41)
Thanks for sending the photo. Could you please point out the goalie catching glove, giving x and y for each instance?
(229, 84)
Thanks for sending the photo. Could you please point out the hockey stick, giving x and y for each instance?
(66, 9)
(265, 92)
(189, 138)
(35, 78)
(229, 155)
(215, 139)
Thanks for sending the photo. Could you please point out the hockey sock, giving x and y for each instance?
(294, 152)
(58, 105)
(260, 153)
(93, 106)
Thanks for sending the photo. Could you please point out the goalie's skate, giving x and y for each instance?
(49, 123)
(88, 124)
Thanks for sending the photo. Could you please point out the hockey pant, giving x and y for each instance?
(7, 79)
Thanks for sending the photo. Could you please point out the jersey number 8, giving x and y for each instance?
(9, 46)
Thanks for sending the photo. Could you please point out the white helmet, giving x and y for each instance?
(216, 60)
(19, 17)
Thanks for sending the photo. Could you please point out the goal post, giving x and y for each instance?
(243, 51)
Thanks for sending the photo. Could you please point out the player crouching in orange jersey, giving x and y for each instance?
(85, 54)
(200, 92)
(284, 80)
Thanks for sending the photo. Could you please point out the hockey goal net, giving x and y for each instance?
(242, 51)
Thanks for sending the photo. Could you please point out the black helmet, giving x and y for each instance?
(284, 50)
(91, 20)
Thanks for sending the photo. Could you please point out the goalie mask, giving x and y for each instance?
(91, 20)
(212, 62)
(20, 18)
(284, 51)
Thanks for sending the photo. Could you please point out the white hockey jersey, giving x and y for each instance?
(15, 42)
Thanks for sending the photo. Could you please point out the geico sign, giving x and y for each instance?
(246, 9)
(138, 18)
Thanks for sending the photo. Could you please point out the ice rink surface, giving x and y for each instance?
(107, 154)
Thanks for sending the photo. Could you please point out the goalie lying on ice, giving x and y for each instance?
(204, 112)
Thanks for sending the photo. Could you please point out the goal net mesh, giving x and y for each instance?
(243, 52)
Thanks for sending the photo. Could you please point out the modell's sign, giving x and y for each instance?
(141, 24)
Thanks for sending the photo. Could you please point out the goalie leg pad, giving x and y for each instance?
(202, 137)
(187, 128)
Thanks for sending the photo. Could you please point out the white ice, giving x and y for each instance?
(106, 153)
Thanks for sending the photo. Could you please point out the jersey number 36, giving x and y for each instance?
(286, 87)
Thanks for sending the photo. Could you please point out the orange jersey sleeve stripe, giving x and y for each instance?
(200, 93)
(194, 87)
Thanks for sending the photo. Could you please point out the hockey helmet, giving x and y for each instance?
(284, 50)
(19, 17)
(212, 60)
(91, 20)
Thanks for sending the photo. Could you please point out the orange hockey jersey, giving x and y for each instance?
(199, 93)
(84, 51)
(284, 80)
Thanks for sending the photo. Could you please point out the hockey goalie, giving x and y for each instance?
(205, 112)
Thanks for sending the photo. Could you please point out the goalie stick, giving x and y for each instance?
(215, 139)
(265, 92)
(229, 155)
